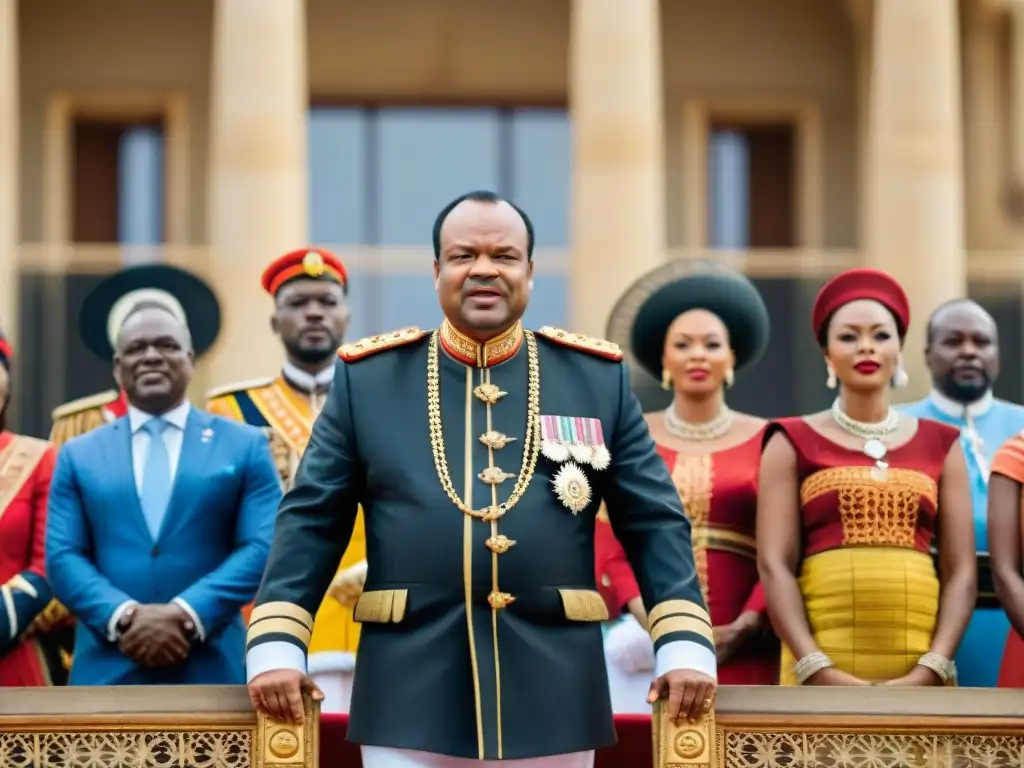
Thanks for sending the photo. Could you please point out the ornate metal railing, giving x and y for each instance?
(868, 727)
(149, 727)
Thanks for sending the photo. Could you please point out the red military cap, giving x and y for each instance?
(6, 353)
(314, 263)
(857, 284)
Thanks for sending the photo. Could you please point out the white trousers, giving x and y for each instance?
(386, 757)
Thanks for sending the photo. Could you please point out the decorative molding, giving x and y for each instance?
(58, 153)
(804, 114)
(172, 739)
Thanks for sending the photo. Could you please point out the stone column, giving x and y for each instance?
(10, 126)
(915, 216)
(258, 171)
(618, 186)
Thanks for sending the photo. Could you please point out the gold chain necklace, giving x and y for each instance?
(531, 442)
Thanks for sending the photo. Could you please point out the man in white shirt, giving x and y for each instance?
(159, 524)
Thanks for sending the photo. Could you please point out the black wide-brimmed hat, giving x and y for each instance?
(182, 293)
(641, 318)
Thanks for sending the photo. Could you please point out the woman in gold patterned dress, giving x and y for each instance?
(694, 331)
(850, 501)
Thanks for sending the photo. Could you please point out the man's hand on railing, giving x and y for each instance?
(690, 693)
(278, 694)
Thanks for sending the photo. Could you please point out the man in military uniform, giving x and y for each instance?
(185, 296)
(481, 452)
(311, 314)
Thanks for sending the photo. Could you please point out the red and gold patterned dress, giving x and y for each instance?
(867, 576)
(719, 494)
(26, 465)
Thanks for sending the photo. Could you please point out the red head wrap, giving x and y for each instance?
(857, 284)
(313, 263)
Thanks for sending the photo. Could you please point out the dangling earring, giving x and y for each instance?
(830, 382)
(730, 378)
(666, 380)
(900, 378)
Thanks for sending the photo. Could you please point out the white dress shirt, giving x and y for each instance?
(173, 437)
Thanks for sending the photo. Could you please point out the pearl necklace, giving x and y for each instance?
(871, 433)
(717, 427)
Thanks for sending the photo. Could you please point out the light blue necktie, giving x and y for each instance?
(156, 477)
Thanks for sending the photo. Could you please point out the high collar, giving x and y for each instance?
(957, 410)
(307, 382)
(471, 352)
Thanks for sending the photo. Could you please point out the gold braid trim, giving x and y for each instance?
(531, 442)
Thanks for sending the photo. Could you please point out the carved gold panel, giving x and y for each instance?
(159, 740)
(859, 741)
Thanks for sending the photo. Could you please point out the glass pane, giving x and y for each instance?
(140, 199)
(727, 190)
(337, 176)
(428, 157)
(541, 167)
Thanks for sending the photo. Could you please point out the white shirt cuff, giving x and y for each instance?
(200, 629)
(685, 654)
(277, 654)
(112, 634)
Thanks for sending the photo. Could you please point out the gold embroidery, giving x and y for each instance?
(583, 605)
(694, 480)
(287, 414)
(725, 540)
(594, 346)
(357, 350)
(467, 350)
(382, 606)
(874, 512)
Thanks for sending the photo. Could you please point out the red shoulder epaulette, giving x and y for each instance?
(599, 347)
(371, 345)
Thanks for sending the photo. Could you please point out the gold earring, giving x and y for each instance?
(830, 382)
(666, 380)
(730, 378)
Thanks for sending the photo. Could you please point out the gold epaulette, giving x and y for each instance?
(239, 386)
(84, 404)
(599, 347)
(373, 344)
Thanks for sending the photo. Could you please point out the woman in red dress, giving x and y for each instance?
(694, 332)
(850, 501)
(26, 465)
(1006, 482)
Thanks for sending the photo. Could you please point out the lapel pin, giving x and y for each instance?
(205, 435)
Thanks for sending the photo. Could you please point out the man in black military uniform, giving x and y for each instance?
(481, 453)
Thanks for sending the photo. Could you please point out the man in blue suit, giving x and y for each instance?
(159, 524)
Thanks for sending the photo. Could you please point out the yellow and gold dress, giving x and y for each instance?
(288, 415)
(867, 575)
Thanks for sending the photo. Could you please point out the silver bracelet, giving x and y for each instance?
(940, 665)
(810, 665)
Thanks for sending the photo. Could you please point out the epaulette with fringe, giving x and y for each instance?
(598, 347)
(84, 404)
(371, 345)
(239, 386)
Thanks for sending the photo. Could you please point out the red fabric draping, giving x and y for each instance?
(632, 751)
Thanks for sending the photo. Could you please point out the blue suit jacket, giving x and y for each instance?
(211, 549)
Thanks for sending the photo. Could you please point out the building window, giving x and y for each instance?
(752, 185)
(118, 192)
(378, 177)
